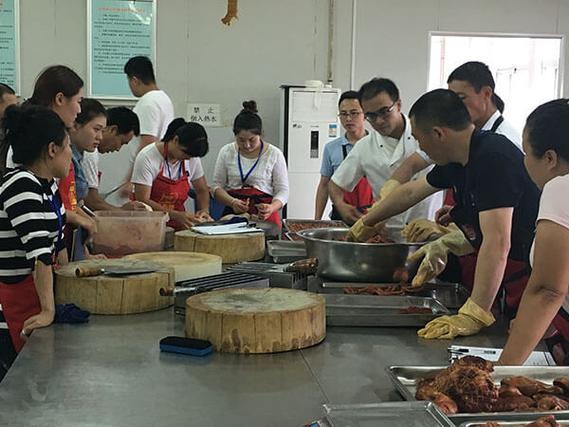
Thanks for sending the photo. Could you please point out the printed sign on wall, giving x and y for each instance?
(9, 43)
(207, 115)
(118, 30)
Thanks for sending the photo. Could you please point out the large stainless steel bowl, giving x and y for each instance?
(357, 262)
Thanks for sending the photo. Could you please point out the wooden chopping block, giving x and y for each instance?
(257, 320)
(232, 248)
(186, 265)
(113, 295)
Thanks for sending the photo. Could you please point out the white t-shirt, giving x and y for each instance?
(269, 176)
(377, 157)
(155, 112)
(91, 168)
(505, 128)
(554, 206)
(149, 162)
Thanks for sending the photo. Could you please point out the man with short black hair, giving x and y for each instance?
(378, 154)
(154, 110)
(122, 126)
(474, 84)
(495, 211)
(352, 120)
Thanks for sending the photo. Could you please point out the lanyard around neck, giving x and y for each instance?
(168, 163)
(244, 177)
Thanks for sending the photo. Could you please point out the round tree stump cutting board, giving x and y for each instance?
(186, 265)
(102, 294)
(257, 320)
(232, 248)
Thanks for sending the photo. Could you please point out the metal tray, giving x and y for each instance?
(451, 295)
(521, 422)
(282, 251)
(393, 414)
(372, 310)
(405, 380)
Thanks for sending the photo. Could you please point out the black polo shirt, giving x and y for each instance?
(494, 177)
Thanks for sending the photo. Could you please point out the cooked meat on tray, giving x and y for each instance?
(547, 421)
(468, 383)
(413, 309)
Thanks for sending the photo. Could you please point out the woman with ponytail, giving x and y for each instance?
(251, 174)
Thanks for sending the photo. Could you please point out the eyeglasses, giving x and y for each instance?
(350, 114)
(382, 113)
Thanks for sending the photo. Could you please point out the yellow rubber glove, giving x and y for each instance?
(423, 230)
(359, 232)
(434, 254)
(469, 320)
(388, 187)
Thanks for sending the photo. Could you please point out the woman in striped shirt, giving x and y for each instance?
(31, 218)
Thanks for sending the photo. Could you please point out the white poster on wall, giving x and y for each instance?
(9, 44)
(118, 30)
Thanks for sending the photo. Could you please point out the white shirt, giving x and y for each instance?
(377, 157)
(91, 168)
(269, 176)
(505, 128)
(155, 112)
(149, 162)
(554, 206)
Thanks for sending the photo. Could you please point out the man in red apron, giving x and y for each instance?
(336, 151)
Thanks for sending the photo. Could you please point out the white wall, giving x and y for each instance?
(392, 37)
(276, 42)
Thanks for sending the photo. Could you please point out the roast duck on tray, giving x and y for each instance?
(466, 386)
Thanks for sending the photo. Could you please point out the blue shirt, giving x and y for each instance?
(81, 185)
(334, 155)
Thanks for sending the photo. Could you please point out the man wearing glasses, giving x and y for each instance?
(352, 119)
(380, 153)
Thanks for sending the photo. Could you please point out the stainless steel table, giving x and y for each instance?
(110, 372)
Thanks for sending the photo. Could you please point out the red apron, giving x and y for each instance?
(362, 195)
(516, 276)
(255, 197)
(19, 302)
(170, 193)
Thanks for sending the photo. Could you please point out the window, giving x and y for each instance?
(526, 68)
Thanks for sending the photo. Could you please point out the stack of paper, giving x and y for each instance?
(536, 358)
(216, 230)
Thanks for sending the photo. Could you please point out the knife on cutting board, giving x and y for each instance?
(117, 271)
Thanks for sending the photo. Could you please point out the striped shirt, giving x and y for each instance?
(30, 227)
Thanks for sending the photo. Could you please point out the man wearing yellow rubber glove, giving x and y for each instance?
(496, 207)
(359, 232)
(469, 320)
(434, 255)
(423, 230)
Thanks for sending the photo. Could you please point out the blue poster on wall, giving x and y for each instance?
(119, 30)
(9, 43)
